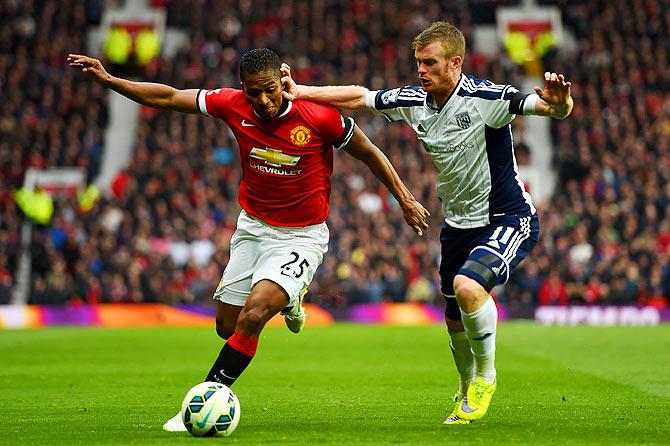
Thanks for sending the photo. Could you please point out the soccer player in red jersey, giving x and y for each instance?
(286, 152)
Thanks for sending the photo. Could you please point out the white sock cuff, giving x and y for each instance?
(484, 308)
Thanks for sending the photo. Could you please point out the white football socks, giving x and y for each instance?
(480, 327)
(465, 362)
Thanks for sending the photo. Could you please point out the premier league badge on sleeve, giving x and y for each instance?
(389, 96)
(463, 120)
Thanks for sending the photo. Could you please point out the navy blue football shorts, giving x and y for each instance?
(486, 255)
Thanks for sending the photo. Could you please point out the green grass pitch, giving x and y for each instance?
(341, 385)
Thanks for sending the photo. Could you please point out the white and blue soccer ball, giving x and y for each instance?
(210, 409)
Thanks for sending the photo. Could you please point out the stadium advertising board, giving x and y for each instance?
(611, 315)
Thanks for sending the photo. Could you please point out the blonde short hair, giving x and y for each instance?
(448, 35)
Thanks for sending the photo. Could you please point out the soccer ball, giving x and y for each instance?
(210, 409)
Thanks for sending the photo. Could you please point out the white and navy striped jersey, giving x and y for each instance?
(470, 142)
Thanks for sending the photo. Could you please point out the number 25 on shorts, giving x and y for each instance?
(294, 267)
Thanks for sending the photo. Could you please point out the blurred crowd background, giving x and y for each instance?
(163, 233)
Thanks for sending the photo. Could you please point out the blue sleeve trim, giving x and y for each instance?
(400, 97)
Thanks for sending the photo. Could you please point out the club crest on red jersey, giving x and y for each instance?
(300, 135)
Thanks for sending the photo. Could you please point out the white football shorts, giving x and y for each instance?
(287, 256)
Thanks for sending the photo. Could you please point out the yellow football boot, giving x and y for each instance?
(476, 403)
(453, 417)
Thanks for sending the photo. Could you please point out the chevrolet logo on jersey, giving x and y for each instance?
(274, 157)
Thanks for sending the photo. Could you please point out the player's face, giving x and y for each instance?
(438, 74)
(264, 93)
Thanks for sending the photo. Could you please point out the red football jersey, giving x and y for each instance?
(286, 161)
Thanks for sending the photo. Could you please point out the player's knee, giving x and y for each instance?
(252, 320)
(467, 288)
(249, 322)
(469, 293)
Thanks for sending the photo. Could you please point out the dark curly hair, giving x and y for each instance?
(259, 60)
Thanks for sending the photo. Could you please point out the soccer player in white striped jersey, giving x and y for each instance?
(464, 124)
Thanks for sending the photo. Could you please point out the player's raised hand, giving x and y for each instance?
(416, 216)
(290, 92)
(556, 101)
(89, 66)
(556, 89)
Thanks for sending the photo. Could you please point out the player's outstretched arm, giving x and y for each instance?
(146, 93)
(349, 97)
(360, 147)
(555, 99)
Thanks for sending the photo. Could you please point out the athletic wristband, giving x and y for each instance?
(529, 104)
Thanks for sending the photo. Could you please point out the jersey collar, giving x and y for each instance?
(430, 102)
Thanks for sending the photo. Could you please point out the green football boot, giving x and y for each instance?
(295, 316)
(476, 403)
(453, 418)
